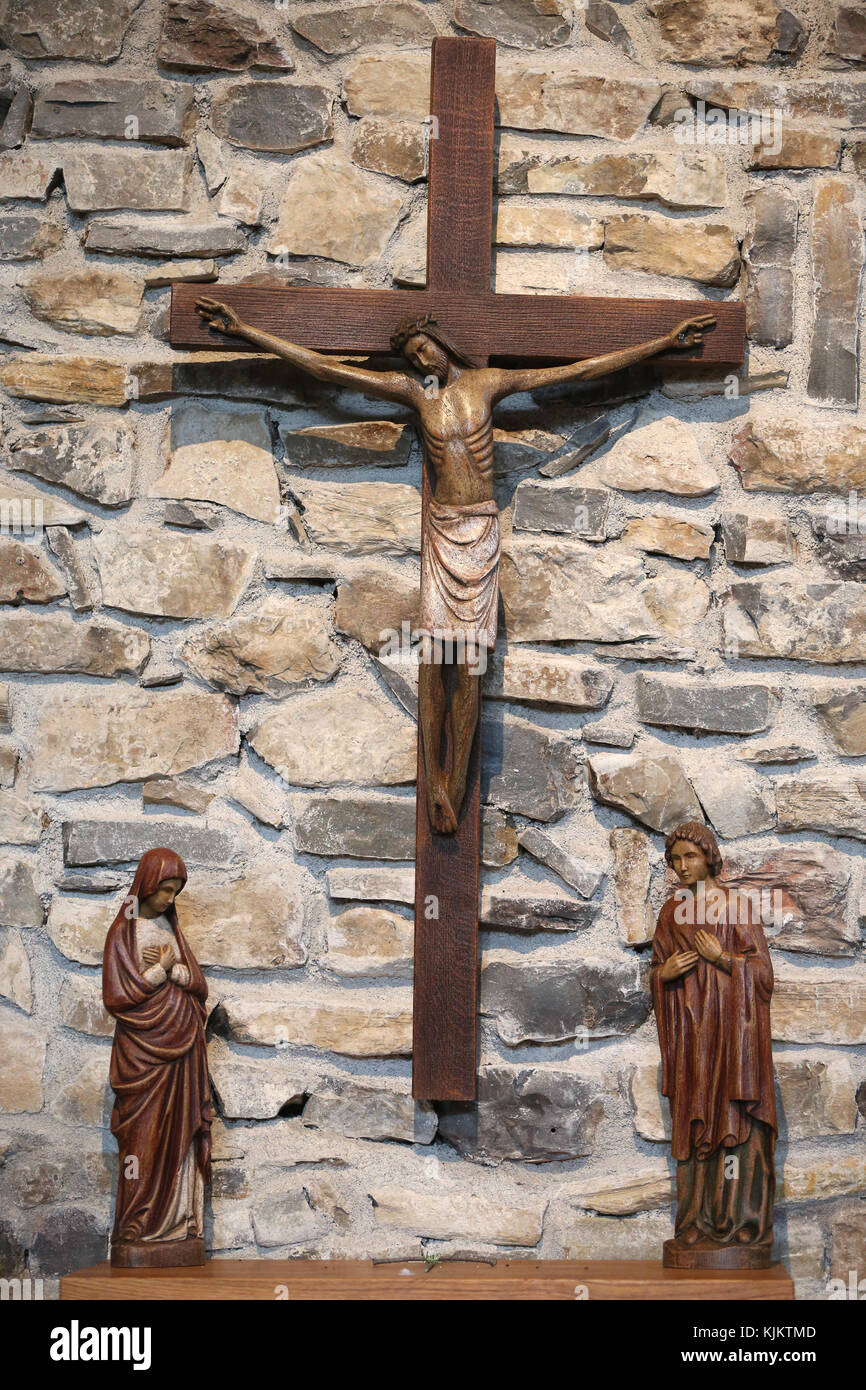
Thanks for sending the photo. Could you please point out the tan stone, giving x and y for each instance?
(631, 876)
(520, 224)
(15, 982)
(282, 644)
(24, 510)
(574, 103)
(799, 147)
(809, 1179)
(241, 198)
(658, 455)
(179, 273)
(331, 209)
(26, 573)
(171, 791)
(22, 820)
(372, 884)
(398, 148)
(361, 518)
(833, 801)
(380, 443)
(677, 181)
(255, 923)
(561, 590)
(793, 454)
(233, 473)
(55, 642)
(25, 175)
(677, 601)
(392, 84)
(90, 380)
(98, 180)
(841, 709)
(652, 788)
(629, 1192)
(258, 796)
(101, 737)
(353, 1023)
(446, 1210)
(94, 302)
(797, 620)
(609, 1238)
(81, 1007)
(718, 33)
(374, 602)
(826, 1007)
(86, 1096)
(838, 255)
(337, 737)
(23, 1044)
(370, 941)
(172, 576)
(547, 677)
(669, 535)
(702, 251)
(737, 800)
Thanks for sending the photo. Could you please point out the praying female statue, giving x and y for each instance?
(154, 989)
(712, 981)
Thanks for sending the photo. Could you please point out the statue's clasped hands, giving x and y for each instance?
(159, 955)
(681, 962)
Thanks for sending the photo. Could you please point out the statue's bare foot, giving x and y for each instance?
(442, 817)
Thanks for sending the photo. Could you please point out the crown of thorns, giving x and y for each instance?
(427, 326)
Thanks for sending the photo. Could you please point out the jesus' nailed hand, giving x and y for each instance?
(460, 549)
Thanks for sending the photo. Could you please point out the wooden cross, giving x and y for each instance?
(489, 327)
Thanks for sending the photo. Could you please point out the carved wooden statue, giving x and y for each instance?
(154, 989)
(711, 984)
(461, 546)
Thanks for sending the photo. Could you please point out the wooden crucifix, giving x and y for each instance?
(462, 340)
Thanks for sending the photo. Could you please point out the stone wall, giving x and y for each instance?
(199, 557)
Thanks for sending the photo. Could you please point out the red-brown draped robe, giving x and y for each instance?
(717, 1064)
(158, 1063)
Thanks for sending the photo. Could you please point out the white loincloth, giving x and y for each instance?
(460, 572)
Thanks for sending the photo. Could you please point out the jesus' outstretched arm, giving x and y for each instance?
(389, 386)
(687, 334)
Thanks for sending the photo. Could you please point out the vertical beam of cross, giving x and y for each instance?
(459, 227)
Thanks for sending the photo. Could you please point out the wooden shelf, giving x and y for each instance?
(349, 1280)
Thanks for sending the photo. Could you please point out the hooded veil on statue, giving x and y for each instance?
(162, 1110)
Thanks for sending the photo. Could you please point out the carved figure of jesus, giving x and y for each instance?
(460, 549)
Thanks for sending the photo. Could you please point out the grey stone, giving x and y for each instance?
(79, 567)
(376, 443)
(20, 905)
(561, 508)
(764, 754)
(736, 800)
(584, 442)
(87, 842)
(603, 21)
(372, 884)
(841, 709)
(580, 872)
(800, 621)
(14, 118)
(278, 117)
(364, 827)
(99, 180)
(681, 702)
(527, 769)
(551, 1001)
(287, 1219)
(609, 734)
(102, 109)
(92, 460)
(768, 253)
(66, 1238)
(568, 590)
(26, 237)
(838, 255)
(833, 803)
(159, 239)
(520, 904)
(756, 540)
(840, 544)
(528, 1114)
(93, 30)
(369, 1112)
(516, 23)
(345, 30)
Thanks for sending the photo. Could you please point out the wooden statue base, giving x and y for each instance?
(157, 1254)
(709, 1254)
(539, 1280)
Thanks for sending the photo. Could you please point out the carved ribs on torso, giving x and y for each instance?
(460, 452)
